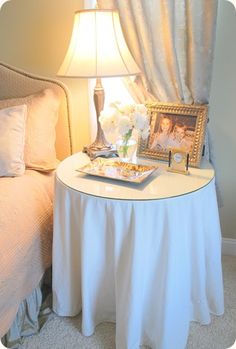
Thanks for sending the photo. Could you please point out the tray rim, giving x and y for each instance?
(138, 180)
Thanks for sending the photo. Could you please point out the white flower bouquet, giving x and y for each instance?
(124, 118)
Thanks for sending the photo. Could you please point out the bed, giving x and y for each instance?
(26, 204)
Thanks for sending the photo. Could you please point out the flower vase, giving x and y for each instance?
(126, 148)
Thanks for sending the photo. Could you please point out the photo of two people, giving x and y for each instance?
(172, 131)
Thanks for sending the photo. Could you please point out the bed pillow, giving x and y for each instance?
(40, 137)
(12, 141)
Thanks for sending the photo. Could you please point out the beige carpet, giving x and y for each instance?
(65, 333)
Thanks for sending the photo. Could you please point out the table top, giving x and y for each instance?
(160, 185)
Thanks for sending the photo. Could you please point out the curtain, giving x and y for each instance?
(172, 41)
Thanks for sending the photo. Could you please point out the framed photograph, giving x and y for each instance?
(180, 126)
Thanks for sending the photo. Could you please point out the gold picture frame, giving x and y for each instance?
(180, 126)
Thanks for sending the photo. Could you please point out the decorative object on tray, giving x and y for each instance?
(178, 161)
(124, 119)
(175, 126)
(98, 49)
(119, 170)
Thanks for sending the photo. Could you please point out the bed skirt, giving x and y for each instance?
(33, 312)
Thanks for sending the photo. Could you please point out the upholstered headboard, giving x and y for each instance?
(17, 83)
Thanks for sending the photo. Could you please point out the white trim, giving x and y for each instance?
(229, 247)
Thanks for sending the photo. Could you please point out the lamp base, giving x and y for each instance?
(100, 147)
(105, 152)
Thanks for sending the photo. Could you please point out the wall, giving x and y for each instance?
(223, 115)
(34, 35)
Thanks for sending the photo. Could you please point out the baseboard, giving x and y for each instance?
(229, 247)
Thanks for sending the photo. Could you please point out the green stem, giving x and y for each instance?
(125, 146)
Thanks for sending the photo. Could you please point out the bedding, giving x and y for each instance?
(40, 136)
(30, 317)
(26, 205)
(26, 201)
(12, 140)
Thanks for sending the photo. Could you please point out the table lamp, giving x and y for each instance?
(98, 49)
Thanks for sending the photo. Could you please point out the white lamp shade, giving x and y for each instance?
(97, 47)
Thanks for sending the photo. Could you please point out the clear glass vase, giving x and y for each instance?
(126, 149)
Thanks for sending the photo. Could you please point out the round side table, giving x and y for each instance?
(145, 256)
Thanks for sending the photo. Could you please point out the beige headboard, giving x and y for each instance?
(16, 83)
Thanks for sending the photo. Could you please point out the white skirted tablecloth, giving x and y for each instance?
(147, 257)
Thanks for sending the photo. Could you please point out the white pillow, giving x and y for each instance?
(40, 132)
(12, 140)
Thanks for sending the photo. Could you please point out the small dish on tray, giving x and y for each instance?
(115, 169)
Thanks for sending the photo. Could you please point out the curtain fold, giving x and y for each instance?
(173, 42)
